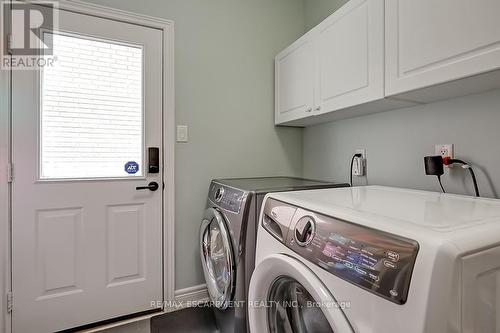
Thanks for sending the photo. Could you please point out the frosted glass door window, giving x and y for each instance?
(91, 123)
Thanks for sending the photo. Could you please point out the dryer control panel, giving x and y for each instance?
(226, 197)
(377, 261)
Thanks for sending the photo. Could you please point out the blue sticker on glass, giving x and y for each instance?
(131, 167)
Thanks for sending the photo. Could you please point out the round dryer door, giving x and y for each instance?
(287, 297)
(217, 258)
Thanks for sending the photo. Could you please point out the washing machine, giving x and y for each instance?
(376, 260)
(228, 235)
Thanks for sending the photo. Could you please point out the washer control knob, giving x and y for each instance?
(305, 230)
(219, 194)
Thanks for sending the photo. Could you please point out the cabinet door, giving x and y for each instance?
(430, 42)
(350, 56)
(294, 81)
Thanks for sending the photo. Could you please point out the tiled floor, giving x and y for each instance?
(190, 320)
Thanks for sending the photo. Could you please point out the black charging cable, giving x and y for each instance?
(434, 167)
(352, 163)
(448, 161)
(441, 183)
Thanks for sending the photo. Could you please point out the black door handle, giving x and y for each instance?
(153, 186)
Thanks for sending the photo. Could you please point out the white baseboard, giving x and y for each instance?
(139, 324)
(189, 297)
(184, 298)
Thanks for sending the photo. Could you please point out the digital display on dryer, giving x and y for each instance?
(377, 261)
(359, 260)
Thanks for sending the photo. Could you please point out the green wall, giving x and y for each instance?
(225, 93)
(316, 11)
(397, 141)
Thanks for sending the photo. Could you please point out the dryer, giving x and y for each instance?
(376, 260)
(227, 238)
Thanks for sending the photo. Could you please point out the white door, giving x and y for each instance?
(87, 245)
(294, 75)
(350, 56)
(430, 42)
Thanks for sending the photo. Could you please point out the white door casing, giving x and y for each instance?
(85, 250)
(4, 195)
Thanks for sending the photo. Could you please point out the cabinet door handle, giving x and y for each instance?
(309, 110)
(317, 108)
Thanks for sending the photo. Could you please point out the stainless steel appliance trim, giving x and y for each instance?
(220, 300)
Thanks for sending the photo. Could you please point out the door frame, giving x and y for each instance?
(168, 113)
(5, 153)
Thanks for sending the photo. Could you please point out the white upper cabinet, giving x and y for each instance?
(377, 55)
(294, 81)
(349, 56)
(432, 42)
(336, 65)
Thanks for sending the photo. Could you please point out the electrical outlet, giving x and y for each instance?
(445, 150)
(362, 152)
(359, 163)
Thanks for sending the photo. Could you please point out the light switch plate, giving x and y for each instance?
(182, 133)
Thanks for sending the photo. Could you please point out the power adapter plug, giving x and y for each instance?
(358, 167)
(434, 165)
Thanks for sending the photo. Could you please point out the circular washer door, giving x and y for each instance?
(286, 296)
(217, 258)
